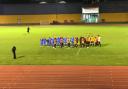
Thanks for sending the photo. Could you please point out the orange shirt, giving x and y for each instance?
(55, 41)
(68, 40)
(82, 40)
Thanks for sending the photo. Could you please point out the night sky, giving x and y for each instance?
(36, 1)
(49, 1)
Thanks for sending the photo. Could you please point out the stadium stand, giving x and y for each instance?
(40, 13)
(114, 11)
(61, 13)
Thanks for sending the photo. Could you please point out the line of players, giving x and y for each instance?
(71, 42)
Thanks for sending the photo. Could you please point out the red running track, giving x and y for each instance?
(63, 77)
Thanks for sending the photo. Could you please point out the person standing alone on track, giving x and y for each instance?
(14, 52)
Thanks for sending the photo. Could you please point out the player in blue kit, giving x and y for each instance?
(52, 42)
(49, 41)
(58, 41)
(41, 42)
(72, 41)
(65, 41)
(45, 42)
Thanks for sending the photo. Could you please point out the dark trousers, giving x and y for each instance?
(68, 44)
(61, 45)
(87, 44)
(82, 44)
(76, 45)
(14, 55)
(55, 45)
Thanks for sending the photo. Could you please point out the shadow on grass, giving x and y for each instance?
(104, 45)
(20, 57)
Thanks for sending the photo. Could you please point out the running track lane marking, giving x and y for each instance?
(92, 77)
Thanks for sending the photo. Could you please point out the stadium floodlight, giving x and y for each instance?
(43, 2)
(62, 2)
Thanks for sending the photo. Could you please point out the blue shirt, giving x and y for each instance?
(45, 41)
(58, 40)
(72, 39)
(52, 41)
(41, 41)
(65, 40)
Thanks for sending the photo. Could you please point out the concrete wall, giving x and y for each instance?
(42, 19)
(114, 11)
(40, 13)
(114, 17)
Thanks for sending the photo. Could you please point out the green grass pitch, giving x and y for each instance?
(114, 50)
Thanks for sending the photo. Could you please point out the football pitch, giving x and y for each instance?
(113, 52)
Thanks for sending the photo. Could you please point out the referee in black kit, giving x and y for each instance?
(28, 30)
(14, 52)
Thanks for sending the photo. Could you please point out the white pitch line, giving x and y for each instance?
(78, 51)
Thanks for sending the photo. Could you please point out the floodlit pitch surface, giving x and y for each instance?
(114, 50)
